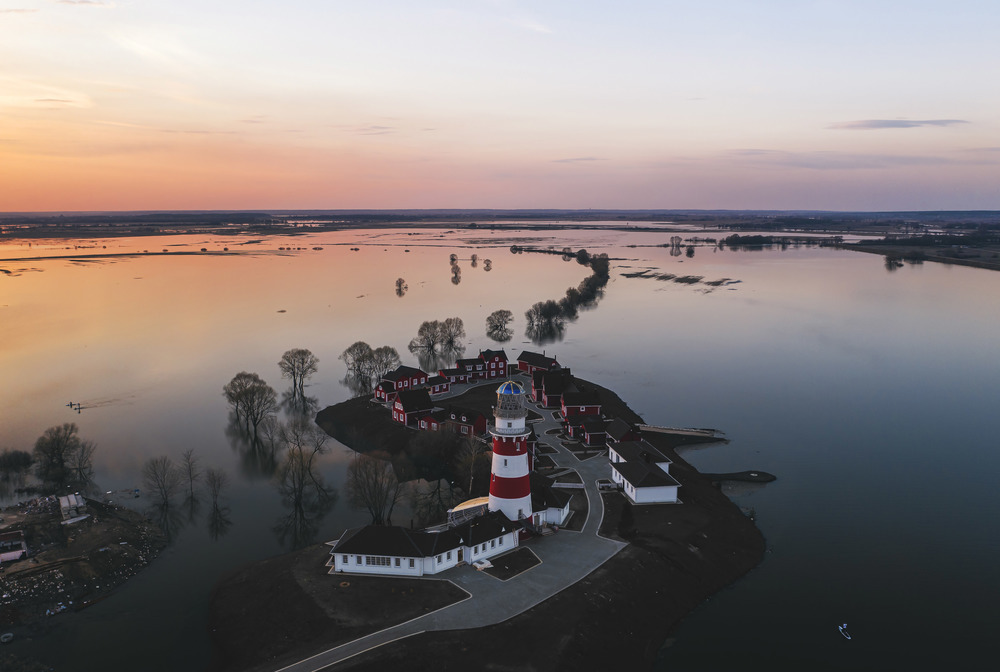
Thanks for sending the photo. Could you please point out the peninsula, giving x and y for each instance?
(617, 571)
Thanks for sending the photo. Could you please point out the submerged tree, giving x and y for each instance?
(498, 325)
(372, 485)
(300, 484)
(61, 458)
(298, 364)
(162, 478)
(401, 287)
(190, 470)
(488, 265)
(252, 400)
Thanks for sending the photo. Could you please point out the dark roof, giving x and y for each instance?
(537, 377)
(642, 475)
(415, 400)
(440, 415)
(640, 451)
(544, 496)
(394, 540)
(556, 382)
(467, 363)
(386, 386)
(538, 360)
(452, 372)
(589, 398)
(471, 414)
(437, 380)
(403, 371)
(487, 355)
(483, 528)
(618, 428)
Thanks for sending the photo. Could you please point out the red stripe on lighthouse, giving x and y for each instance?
(510, 488)
(509, 448)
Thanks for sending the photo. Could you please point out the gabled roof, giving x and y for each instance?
(466, 363)
(640, 451)
(415, 400)
(487, 355)
(403, 371)
(437, 380)
(471, 415)
(643, 475)
(392, 540)
(483, 528)
(557, 382)
(618, 428)
(538, 360)
(453, 372)
(439, 415)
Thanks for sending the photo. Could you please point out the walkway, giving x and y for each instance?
(566, 558)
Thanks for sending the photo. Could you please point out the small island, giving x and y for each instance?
(630, 570)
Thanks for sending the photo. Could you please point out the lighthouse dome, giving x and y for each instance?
(510, 387)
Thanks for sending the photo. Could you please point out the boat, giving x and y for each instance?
(843, 631)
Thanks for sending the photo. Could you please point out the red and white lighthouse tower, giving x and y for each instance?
(510, 483)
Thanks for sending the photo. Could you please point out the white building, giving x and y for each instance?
(643, 472)
(393, 550)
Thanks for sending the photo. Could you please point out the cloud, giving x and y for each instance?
(18, 11)
(824, 160)
(88, 3)
(374, 130)
(578, 159)
(875, 124)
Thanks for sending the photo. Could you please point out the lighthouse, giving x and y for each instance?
(510, 484)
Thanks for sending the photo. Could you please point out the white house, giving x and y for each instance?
(550, 505)
(393, 550)
(643, 472)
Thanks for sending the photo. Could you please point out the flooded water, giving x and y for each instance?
(870, 394)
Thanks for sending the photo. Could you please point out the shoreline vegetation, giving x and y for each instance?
(677, 556)
(969, 238)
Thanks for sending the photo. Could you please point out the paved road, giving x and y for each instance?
(566, 558)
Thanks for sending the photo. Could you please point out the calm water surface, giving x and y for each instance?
(871, 395)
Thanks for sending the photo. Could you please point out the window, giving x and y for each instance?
(448, 555)
(376, 561)
(465, 430)
(493, 544)
(346, 559)
(397, 562)
(439, 559)
(505, 461)
(501, 541)
(411, 563)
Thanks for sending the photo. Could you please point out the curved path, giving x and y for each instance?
(566, 557)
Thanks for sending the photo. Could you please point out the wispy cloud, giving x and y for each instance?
(578, 159)
(88, 3)
(18, 11)
(837, 160)
(875, 124)
(374, 130)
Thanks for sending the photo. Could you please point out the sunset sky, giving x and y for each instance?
(775, 104)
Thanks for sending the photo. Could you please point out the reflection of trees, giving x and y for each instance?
(302, 489)
(546, 320)
(438, 344)
(365, 367)
(170, 519)
(298, 404)
(456, 274)
(498, 325)
(401, 287)
(474, 261)
(487, 264)
(219, 522)
(256, 454)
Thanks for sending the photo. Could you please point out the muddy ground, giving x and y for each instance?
(69, 567)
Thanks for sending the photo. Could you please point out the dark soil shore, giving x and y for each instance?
(70, 566)
(278, 611)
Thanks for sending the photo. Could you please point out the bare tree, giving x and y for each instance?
(357, 357)
(401, 287)
(190, 470)
(383, 360)
(162, 478)
(298, 364)
(62, 458)
(427, 337)
(498, 325)
(372, 485)
(451, 332)
(252, 399)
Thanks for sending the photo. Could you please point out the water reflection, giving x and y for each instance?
(256, 453)
(295, 403)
